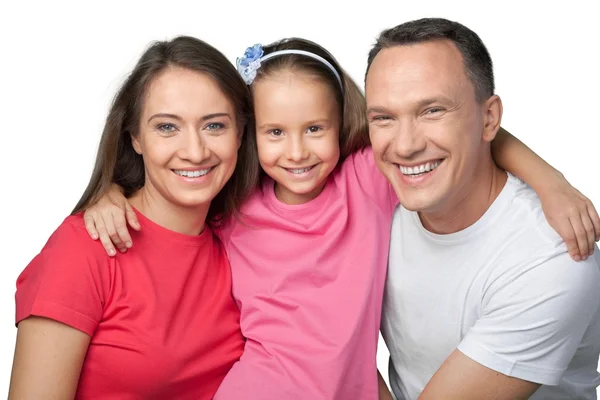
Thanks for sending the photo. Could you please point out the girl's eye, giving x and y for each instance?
(276, 132)
(166, 128)
(381, 118)
(314, 129)
(215, 126)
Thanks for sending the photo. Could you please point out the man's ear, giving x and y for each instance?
(492, 109)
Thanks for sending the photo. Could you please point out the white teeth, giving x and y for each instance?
(419, 169)
(299, 170)
(193, 174)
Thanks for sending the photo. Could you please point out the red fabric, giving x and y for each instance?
(162, 321)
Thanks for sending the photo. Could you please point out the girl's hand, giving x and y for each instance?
(573, 216)
(107, 218)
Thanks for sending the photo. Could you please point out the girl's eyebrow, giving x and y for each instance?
(318, 121)
(312, 122)
(268, 125)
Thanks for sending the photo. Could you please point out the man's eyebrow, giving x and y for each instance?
(431, 100)
(377, 109)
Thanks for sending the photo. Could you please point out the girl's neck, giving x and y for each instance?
(286, 196)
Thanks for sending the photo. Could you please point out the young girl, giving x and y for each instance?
(158, 322)
(309, 250)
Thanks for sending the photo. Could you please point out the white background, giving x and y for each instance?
(61, 63)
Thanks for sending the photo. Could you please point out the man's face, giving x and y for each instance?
(426, 125)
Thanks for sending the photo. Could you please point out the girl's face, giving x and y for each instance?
(297, 133)
(188, 138)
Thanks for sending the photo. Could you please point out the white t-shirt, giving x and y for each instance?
(504, 291)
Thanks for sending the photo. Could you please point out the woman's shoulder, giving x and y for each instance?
(67, 280)
(70, 240)
(72, 231)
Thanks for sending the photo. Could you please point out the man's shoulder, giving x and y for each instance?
(527, 249)
(541, 274)
(525, 218)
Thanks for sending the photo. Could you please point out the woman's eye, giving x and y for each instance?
(215, 126)
(166, 128)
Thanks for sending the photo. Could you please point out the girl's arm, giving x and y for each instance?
(48, 360)
(570, 213)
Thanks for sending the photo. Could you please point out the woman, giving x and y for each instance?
(157, 322)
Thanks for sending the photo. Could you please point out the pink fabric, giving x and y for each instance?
(309, 282)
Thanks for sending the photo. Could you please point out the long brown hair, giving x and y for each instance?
(354, 133)
(116, 160)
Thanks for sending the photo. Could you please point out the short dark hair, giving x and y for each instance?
(476, 58)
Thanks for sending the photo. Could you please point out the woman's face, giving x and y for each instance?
(188, 138)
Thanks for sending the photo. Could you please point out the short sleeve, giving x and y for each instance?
(67, 281)
(371, 179)
(534, 318)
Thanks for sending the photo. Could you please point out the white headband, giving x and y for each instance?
(253, 56)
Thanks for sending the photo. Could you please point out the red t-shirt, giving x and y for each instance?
(161, 317)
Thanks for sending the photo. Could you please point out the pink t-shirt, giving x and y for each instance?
(309, 280)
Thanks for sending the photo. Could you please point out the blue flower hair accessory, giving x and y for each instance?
(250, 63)
(253, 56)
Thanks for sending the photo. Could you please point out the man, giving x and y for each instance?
(482, 300)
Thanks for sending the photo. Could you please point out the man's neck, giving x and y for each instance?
(470, 203)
